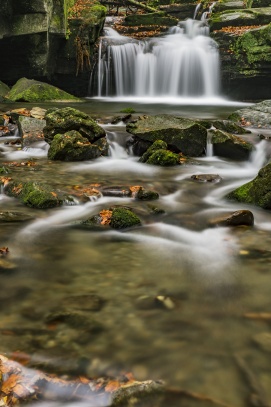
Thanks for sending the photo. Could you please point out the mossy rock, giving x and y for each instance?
(60, 121)
(29, 90)
(4, 89)
(33, 194)
(230, 146)
(257, 115)
(238, 18)
(252, 50)
(165, 158)
(147, 195)
(71, 146)
(257, 191)
(157, 145)
(124, 218)
(181, 134)
(230, 127)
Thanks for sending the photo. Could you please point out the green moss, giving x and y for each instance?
(124, 218)
(157, 145)
(165, 158)
(128, 110)
(33, 194)
(28, 90)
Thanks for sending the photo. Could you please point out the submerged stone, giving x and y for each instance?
(181, 134)
(29, 90)
(237, 218)
(59, 121)
(71, 146)
(257, 191)
(214, 178)
(75, 319)
(230, 146)
(13, 216)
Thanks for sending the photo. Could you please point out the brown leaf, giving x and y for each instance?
(106, 217)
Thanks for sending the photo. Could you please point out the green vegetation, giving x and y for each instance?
(128, 110)
(123, 218)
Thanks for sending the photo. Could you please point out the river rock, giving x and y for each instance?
(237, 218)
(75, 319)
(71, 146)
(33, 194)
(237, 18)
(86, 302)
(29, 90)
(257, 115)
(158, 154)
(59, 121)
(230, 146)
(214, 178)
(229, 126)
(257, 191)
(31, 130)
(124, 218)
(181, 134)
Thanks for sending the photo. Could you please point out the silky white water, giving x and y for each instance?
(184, 63)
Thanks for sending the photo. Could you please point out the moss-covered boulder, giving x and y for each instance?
(71, 146)
(181, 134)
(59, 121)
(257, 191)
(230, 146)
(124, 218)
(33, 194)
(4, 89)
(29, 90)
(257, 115)
(229, 126)
(158, 154)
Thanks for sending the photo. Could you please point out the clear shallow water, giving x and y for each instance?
(214, 276)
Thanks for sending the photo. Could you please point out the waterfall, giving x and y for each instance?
(183, 63)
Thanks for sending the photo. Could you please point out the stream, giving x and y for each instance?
(173, 294)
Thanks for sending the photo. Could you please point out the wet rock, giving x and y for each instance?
(138, 146)
(158, 154)
(60, 121)
(229, 146)
(257, 191)
(33, 194)
(103, 146)
(87, 302)
(74, 319)
(181, 134)
(237, 218)
(125, 119)
(6, 265)
(71, 146)
(124, 218)
(237, 18)
(213, 178)
(257, 115)
(263, 340)
(146, 302)
(116, 191)
(31, 130)
(146, 195)
(29, 90)
(165, 302)
(229, 126)
(11, 216)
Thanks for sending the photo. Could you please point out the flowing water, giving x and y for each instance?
(213, 276)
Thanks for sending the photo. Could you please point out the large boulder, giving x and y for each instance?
(181, 134)
(29, 90)
(71, 146)
(230, 146)
(257, 191)
(60, 121)
(257, 115)
(241, 17)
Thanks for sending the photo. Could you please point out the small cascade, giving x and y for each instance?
(116, 150)
(209, 145)
(183, 63)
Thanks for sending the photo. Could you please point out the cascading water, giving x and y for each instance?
(184, 63)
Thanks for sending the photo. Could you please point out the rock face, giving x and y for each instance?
(257, 191)
(242, 31)
(230, 146)
(39, 44)
(183, 135)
